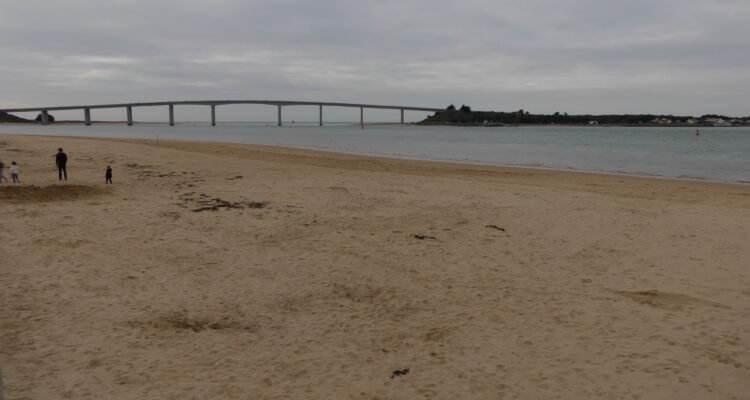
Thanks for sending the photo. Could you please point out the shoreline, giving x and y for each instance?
(291, 273)
(500, 167)
(387, 124)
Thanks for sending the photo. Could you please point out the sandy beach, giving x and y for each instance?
(221, 271)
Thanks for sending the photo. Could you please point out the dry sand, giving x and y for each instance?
(216, 271)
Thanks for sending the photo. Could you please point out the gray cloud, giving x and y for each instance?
(598, 56)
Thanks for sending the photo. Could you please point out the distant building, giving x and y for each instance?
(661, 120)
(718, 122)
(593, 122)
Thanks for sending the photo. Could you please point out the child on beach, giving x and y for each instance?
(14, 172)
(108, 175)
(2, 169)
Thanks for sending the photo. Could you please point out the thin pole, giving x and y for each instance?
(362, 117)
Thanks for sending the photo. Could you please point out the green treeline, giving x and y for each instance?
(5, 117)
(465, 116)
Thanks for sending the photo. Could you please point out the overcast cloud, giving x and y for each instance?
(597, 56)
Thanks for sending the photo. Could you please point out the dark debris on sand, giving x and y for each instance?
(216, 203)
(424, 237)
(205, 202)
(400, 372)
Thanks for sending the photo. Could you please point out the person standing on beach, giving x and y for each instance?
(108, 175)
(2, 169)
(15, 172)
(61, 159)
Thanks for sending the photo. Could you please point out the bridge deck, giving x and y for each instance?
(220, 102)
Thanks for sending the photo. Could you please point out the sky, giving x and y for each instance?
(682, 57)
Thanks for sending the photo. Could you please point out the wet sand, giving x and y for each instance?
(234, 271)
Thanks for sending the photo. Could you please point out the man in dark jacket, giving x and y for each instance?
(61, 159)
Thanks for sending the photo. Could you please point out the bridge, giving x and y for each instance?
(128, 107)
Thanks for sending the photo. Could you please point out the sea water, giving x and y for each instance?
(719, 154)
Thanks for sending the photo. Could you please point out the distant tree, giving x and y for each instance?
(451, 107)
(465, 108)
(5, 117)
(50, 118)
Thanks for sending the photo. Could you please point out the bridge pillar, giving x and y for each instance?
(402, 115)
(130, 116)
(171, 115)
(45, 117)
(279, 114)
(361, 117)
(87, 116)
(213, 115)
(320, 114)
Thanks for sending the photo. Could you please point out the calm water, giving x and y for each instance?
(721, 154)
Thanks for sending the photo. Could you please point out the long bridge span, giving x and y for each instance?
(128, 107)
